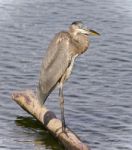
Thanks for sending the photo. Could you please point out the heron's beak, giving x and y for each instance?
(88, 31)
(92, 32)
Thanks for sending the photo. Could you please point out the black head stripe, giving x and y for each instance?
(77, 23)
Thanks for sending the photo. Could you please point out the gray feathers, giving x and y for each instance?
(54, 65)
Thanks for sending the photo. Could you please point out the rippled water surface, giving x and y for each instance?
(98, 96)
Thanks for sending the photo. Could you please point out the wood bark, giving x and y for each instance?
(28, 101)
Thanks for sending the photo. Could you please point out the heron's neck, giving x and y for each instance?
(82, 42)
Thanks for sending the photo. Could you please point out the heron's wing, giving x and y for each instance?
(55, 63)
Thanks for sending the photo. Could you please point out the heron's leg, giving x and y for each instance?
(62, 106)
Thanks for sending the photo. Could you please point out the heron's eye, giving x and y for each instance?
(80, 25)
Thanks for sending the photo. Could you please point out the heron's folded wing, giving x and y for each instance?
(55, 63)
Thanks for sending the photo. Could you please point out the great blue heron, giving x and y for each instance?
(59, 60)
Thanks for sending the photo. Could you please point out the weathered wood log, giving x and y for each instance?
(28, 101)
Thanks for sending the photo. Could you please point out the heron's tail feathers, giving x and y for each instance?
(41, 96)
(43, 93)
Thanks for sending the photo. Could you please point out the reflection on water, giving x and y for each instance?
(42, 138)
(98, 99)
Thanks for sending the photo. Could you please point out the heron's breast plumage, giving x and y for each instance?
(69, 69)
(77, 47)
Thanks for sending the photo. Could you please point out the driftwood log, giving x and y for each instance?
(28, 101)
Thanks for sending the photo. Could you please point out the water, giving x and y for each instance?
(98, 100)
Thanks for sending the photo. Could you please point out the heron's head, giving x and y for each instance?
(77, 27)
